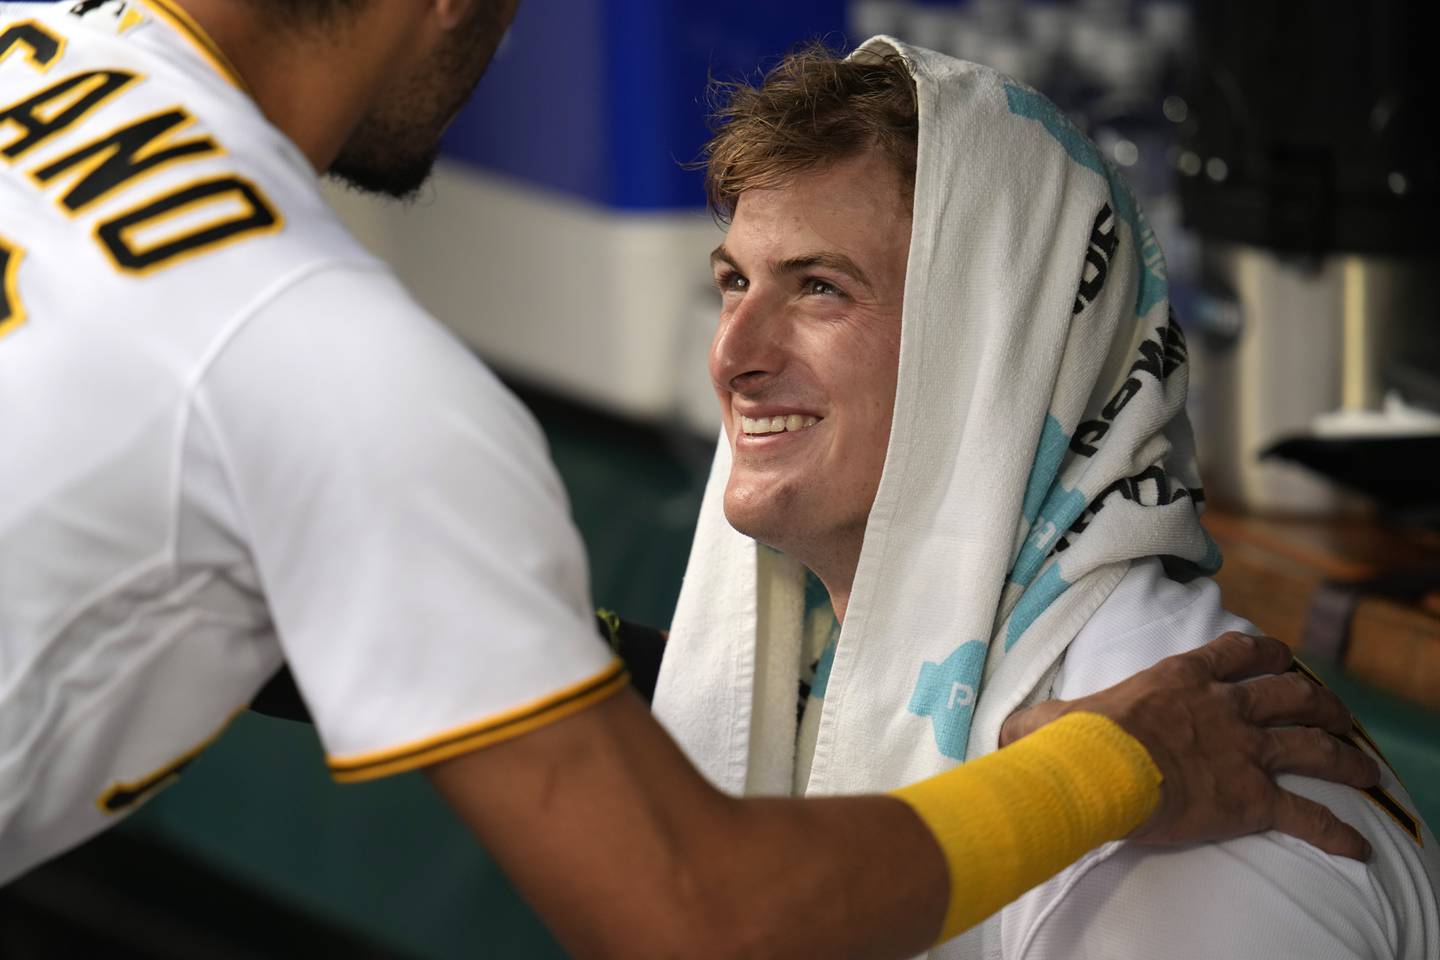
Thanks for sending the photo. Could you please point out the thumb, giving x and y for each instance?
(1027, 721)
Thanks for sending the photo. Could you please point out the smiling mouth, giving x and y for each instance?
(787, 424)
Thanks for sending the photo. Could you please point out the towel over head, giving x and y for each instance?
(1039, 444)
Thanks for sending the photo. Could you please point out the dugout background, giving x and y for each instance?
(561, 198)
(257, 853)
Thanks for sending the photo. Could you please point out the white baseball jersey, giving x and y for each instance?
(1263, 897)
(228, 439)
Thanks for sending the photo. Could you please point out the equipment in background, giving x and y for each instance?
(1305, 171)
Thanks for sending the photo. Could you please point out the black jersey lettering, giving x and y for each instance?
(40, 45)
(42, 115)
(12, 313)
(238, 209)
(124, 155)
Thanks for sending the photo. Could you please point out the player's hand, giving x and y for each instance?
(1219, 743)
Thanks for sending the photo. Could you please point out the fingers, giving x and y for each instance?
(1316, 825)
(1314, 753)
(1235, 656)
(1291, 699)
(1024, 722)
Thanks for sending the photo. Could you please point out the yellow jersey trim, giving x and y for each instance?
(472, 736)
(132, 18)
(14, 311)
(185, 25)
(123, 795)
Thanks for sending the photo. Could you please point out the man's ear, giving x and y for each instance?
(449, 14)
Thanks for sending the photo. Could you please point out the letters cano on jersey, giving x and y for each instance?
(199, 215)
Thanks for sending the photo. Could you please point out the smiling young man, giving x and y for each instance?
(796, 298)
(956, 477)
(231, 440)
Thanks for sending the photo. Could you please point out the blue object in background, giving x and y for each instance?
(604, 100)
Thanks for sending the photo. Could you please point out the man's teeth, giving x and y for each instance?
(777, 424)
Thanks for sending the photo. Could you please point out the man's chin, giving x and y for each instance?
(753, 521)
(401, 181)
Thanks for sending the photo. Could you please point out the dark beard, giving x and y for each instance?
(393, 149)
(392, 176)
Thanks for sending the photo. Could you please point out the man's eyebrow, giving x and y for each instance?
(832, 261)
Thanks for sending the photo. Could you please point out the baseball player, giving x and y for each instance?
(230, 439)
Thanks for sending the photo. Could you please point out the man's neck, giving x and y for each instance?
(314, 82)
(833, 566)
(839, 598)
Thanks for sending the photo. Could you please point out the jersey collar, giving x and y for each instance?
(184, 24)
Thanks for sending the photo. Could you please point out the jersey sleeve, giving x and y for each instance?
(1267, 895)
(412, 539)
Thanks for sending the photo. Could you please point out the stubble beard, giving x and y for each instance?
(393, 150)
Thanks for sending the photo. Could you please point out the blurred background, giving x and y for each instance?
(1277, 150)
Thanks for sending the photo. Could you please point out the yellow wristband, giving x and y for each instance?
(1018, 816)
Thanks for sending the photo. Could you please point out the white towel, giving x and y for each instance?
(1041, 379)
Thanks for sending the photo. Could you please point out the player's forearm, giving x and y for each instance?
(873, 877)
(848, 877)
(625, 852)
(1027, 811)
(853, 877)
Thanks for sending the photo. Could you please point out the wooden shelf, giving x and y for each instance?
(1275, 568)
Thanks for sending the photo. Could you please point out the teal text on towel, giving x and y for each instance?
(946, 693)
(1152, 287)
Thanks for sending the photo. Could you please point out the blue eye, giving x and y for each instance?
(814, 286)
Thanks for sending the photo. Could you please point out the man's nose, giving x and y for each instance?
(747, 349)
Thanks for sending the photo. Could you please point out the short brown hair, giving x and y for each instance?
(811, 109)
